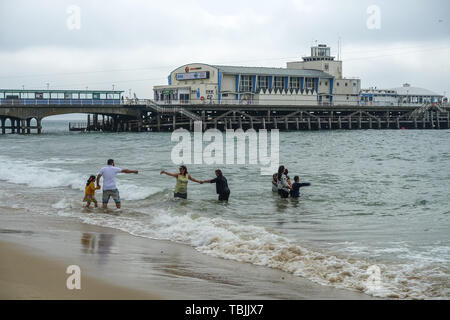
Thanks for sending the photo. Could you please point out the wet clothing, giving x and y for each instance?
(182, 182)
(274, 186)
(109, 177)
(89, 193)
(296, 189)
(222, 188)
(180, 195)
(90, 189)
(107, 194)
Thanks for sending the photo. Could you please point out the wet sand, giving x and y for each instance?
(23, 275)
(35, 251)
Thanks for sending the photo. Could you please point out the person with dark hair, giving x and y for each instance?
(221, 185)
(283, 186)
(89, 192)
(274, 183)
(296, 187)
(182, 181)
(109, 182)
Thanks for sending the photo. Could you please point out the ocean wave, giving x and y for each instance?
(227, 239)
(37, 175)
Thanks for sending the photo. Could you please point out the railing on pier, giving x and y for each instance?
(69, 102)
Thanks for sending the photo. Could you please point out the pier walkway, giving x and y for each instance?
(146, 115)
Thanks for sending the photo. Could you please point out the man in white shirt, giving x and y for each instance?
(109, 182)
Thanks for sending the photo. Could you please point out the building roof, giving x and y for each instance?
(415, 91)
(273, 71)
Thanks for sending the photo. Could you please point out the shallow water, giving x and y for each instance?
(379, 201)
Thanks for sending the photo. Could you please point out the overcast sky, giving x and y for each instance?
(134, 44)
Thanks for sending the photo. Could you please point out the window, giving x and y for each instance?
(109, 96)
(246, 83)
(294, 83)
(75, 95)
(61, 95)
(337, 84)
(279, 82)
(102, 96)
(327, 66)
(2, 95)
(309, 83)
(346, 84)
(116, 96)
(53, 95)
(46, 95)
(82, 95)
(263, 82)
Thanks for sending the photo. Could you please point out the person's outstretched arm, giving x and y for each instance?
(195, 180)
(129, 171)
(305, 184)
(175, 175)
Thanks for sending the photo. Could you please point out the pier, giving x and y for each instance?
(146, 115)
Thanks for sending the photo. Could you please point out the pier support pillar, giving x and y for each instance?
(330, 124)
(251, 123)
(388, 120)
(424, 122)
(349, 122)
(190, 125)
(22, 126)
(398, 122)
(286, 123)
(370, 123)
(448, 120)
(158, 123)
(3, 120)
(319, 126)
(174, 123)
(379, 123)
(275, 124)
(340, 123)
(215, 124)
(359, 122)
(297, 124)
(264, 123)
(28, 126)
(432, 119)
(309, 124)
(415, 122)
(240, 122)
(438, 121)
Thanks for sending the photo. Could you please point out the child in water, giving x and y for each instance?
(295, 193)
(89, 192)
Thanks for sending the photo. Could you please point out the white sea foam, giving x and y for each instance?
(252, 244)
(43, 175)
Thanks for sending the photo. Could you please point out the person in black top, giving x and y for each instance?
(221, 186)
(295, 193)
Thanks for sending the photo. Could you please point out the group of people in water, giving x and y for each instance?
(110, 172)
(281, 183)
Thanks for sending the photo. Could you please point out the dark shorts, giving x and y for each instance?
(283, 194)
(180, 195)
(111, 193)
(224, 196)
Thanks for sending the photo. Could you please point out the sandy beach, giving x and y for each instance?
(35, 251)
(23, 275)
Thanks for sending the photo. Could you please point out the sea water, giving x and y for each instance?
(376, 217)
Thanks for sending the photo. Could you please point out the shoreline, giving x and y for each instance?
(117, 265)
